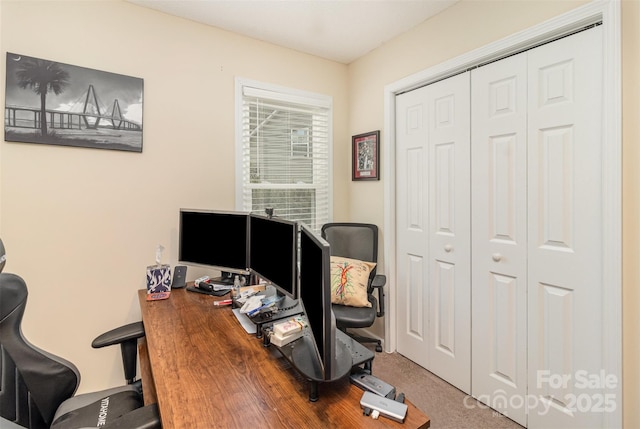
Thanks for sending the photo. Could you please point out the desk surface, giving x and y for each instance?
(208, 372)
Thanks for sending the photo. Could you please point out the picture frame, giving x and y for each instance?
(78, 106)
(365, 163)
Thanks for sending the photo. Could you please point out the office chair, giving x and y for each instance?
(358, 241)
(36, 387)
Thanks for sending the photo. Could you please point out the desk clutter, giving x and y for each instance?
(281, 292)
(288, 331)
(345, 403)
(379, 398)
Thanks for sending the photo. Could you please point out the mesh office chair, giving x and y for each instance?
(36, 387)
(358, 241)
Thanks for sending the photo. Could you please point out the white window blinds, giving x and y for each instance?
(285, 152)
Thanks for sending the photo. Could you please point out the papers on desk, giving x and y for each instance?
(252, 303)
(244, 320)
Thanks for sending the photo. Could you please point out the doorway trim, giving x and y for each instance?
(607, 12)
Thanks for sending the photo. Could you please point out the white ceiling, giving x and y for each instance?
(339, 30)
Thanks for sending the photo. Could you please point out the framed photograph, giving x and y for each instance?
(47, 102)
(366, 156)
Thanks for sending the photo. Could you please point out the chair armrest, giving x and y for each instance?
(378, 283)
(147, 417)
(379, 280)
(127, 336)
(132, 331)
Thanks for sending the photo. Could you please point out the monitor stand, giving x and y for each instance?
(287, 307)
(305, 359)
(227, 278)
(286, 303)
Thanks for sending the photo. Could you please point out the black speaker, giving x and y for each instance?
(179, 277)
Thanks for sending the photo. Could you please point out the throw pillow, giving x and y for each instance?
(349, 279)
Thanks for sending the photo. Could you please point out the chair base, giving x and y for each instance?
(362, 339)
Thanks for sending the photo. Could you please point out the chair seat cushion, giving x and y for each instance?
(349, 281)
(106, 407)
(355, 317)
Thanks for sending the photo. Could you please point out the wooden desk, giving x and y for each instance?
(208, 372)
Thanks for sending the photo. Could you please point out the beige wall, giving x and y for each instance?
(630, 211)
(81, 225)
(472, 24)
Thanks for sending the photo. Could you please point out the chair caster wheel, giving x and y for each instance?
(379, 348)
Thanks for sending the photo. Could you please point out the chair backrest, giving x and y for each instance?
(33, 383)
(353, 240)
(3, 256)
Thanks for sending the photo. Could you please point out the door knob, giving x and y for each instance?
(496, 257)
(448, 248)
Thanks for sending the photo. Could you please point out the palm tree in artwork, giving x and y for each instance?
(42, 76)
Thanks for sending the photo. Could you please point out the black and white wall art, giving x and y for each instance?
(48, 102)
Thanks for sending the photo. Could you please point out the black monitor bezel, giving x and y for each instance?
(254, 246)
(216, 241)
(325, 347)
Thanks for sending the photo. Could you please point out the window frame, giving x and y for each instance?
(293, 95)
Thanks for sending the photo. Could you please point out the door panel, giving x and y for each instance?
(449, 231)
(412, 225)
(433, 241)
(565, 230)
(499, 234)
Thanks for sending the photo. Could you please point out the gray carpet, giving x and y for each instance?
(445, 405)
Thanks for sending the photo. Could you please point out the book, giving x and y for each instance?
(291, 326)
(283, 341)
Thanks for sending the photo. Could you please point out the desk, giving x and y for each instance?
(207, 372)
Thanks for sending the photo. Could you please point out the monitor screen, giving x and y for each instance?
(215, 239)
(315, 294)
(273, 252)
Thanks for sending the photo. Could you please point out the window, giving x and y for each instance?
(300, 142)
(283, 148)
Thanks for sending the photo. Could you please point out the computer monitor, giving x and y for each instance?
(216, 239)
(315, 295)
(273, 252)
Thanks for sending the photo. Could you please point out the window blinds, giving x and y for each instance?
(286, 155)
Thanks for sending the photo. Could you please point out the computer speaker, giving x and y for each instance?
(179, 277)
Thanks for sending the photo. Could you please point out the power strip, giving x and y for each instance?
(366, 381)
(384, 406)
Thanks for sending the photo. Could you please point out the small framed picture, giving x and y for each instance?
(366, 156)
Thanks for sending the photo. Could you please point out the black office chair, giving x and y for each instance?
(36, 387)
(358, 241)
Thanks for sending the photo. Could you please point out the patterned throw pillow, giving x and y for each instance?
(349, 278)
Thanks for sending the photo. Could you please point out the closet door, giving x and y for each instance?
(499, 235)
(433, 220)
(565, 233)
(449, 231)
(412, 225)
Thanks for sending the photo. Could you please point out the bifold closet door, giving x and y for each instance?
(412, 225)
(565, 233)
(537, 234)
(499, 234)
(433, 221)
